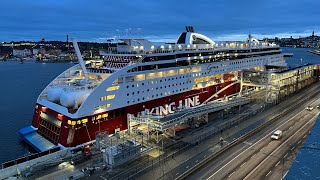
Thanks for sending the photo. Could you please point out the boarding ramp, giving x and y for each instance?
(162, 123)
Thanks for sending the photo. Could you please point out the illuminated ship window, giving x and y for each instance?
(113, 88)
(103, 106)
(104, 98)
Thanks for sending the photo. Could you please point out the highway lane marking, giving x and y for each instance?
(277, 164)
(254, 144)
(196, 161)
(284, 143)
(253, 156)
(285, 155)
(262, 148)
(285, 174)
(304, 136)
(268, 173)
(292, 148)
(187, 167)
(231, 174)
(243, 164)
(270, 142)
(290, 127)
(299, 142)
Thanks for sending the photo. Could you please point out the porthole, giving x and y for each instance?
(127, 94)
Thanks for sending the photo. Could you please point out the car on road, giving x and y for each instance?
(309, 108)
(318, 106)
(276, 135)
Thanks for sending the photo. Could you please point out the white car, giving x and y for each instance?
(276, 135)
(309, 108)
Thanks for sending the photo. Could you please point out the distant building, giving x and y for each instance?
(21, 52)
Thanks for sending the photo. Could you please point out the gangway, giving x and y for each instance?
(161, 123)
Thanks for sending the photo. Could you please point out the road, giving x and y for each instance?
(260, 157)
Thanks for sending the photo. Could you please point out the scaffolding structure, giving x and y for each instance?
(164, 123)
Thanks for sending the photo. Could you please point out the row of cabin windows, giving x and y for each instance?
(196, 62)
(251, 60)
(157, 88)
(168, 57)
(166, 79)
(157, 95)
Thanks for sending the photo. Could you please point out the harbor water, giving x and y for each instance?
(22, 83)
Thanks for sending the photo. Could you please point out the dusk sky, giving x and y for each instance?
(98, 19)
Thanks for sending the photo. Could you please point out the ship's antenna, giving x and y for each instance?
(117, 34)
(249, 39)
(80, 60)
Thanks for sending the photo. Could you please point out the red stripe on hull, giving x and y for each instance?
(118, 118)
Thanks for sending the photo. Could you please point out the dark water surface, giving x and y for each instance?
(21, 85)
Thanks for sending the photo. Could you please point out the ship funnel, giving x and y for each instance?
(80, 60)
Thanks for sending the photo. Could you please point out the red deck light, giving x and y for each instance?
(43, 109)
(60, 117)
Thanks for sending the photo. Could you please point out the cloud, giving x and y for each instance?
(89, 20)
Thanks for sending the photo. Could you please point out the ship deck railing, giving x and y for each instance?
(164, 122)
(186, 48)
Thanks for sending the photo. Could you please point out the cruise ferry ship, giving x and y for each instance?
(138, 76)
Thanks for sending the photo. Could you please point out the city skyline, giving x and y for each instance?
(165, 20)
